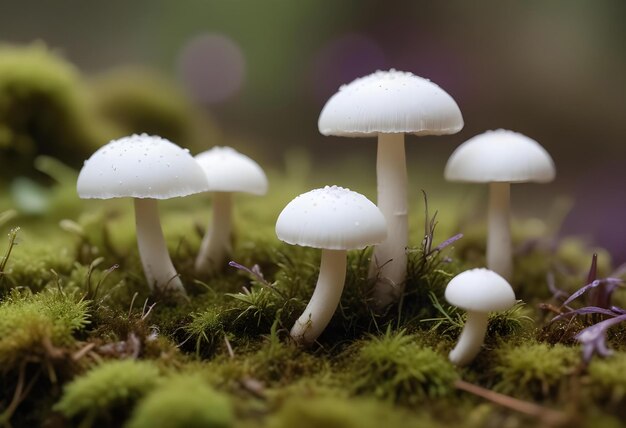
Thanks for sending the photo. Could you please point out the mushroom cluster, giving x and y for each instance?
(385, 104)
(148, 168)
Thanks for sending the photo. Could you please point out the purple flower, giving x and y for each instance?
(254, 272)
(593, 338)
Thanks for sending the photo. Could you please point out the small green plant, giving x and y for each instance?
(535, 370)
(31, 325)
(204, 330)
(183, 401)
(397, 368)
(106, 387)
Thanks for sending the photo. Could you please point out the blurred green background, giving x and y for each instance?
(255, 75)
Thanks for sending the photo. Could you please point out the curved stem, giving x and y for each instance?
(471, 339)
(325, 299)
(157, 265)
(216, 244)
(389, 261)
(499, 247)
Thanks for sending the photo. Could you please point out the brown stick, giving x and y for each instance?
(5, 417)
(548, 416)
(84, 350)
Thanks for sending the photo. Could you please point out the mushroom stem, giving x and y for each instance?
(471, 339)
(325, 299)
(499, 257)
(389, 261)
(216, 244)
(157, 265)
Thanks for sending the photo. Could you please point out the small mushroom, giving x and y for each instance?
(336, 220)
(228, 171)
(500, 158)
(387, 105)
(478, 291)
(146, 168)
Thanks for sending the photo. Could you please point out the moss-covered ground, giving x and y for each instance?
(84, 343)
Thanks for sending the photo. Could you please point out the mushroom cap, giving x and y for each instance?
(331, 218)
(390, 102)
(500, 156)
(230, 171)
(480, 290)
(140, 166)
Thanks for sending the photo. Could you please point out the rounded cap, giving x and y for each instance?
(500, 156)
(140, 166)
(229, 171)
(332, 218)
(480, 290)
(390, 102)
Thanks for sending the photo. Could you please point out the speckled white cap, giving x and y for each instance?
(229, 171)
(390, 102)
(332, 218)
(140, 166)
(500, 156)
(480, 290)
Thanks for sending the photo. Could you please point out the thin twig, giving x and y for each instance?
(17, 395)
(84, 350)
(548, 416)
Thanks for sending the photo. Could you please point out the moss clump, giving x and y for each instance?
(608, 378)
(34, 261)
(183, 402)
(336, 412)
(138, 100)
(396, 367)
(111, 385)
(281, 363)
(204, 330)
(535, 370)
(32, 324)
(44, 109)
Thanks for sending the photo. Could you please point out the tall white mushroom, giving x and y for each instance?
(387, 105)
(336, 220)
(146, 168)
(228, 171)
(500, 158)
(478, 291)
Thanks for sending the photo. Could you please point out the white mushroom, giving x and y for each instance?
(389, 104)
(146, 168)
(478, 291)
(336, 220)
(499, 158)
(228, 171)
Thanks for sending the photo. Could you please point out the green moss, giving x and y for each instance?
(535, 370)
(336, 412)
(398, 368)
(141, 100)
(31, 324)
(608, 379)
(108, 386)
(44, 109)
(183, 402)
(36, 261)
